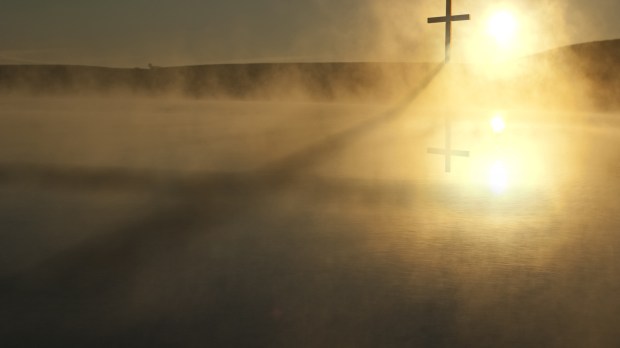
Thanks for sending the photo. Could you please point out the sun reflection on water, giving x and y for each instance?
(498, 177)
(512, 154)
(497, 123)
(504, 158)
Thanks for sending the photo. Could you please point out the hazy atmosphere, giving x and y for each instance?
(188, 32)
(271, 173)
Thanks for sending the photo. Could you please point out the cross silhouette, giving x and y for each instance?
(448, 152)
(448, 19)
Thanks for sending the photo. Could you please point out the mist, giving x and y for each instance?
(572, 77)
(331, 184)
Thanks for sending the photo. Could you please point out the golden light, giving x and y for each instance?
(498, 177)
(497, 123)
(502, 26)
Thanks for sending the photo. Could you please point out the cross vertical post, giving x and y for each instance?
(448, 29)
(448, 19)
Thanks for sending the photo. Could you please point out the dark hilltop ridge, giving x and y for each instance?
(593, 68)
(317, 81)
(590, 71)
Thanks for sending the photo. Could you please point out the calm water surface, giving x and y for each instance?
(141, 223)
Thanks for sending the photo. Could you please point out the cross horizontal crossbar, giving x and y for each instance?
(450, 153)
(444, 19)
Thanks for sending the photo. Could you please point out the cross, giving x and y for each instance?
(448, 19)
(448, 152)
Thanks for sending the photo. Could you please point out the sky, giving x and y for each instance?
(134, 33)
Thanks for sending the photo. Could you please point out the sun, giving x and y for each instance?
(502, 26)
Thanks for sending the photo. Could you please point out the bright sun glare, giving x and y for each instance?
(498, 177)
(497, 124)
(502, 27)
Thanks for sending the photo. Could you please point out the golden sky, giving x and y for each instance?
(177, 32)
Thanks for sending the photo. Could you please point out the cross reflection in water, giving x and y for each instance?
(447, 151)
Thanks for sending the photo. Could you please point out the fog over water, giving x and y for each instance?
(305, 204)
(137, 221)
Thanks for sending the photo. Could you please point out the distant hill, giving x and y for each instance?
(583, 76)
(593, 67)
(317, 81)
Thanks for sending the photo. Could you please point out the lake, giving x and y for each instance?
(142, 222)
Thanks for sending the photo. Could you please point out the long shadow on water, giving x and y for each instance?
(80, 282)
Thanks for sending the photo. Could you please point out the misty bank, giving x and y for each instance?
(585, 72)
